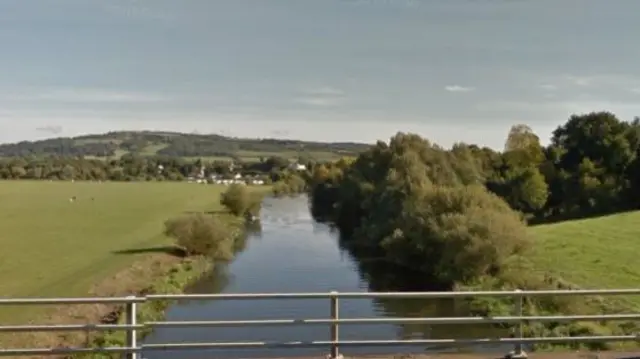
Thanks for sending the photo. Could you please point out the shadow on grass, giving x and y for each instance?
(218, 211)
(578, 217)
(171, 250)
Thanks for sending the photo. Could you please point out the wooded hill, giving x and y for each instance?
(150, 143)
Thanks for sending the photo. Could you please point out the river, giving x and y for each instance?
(293, 253)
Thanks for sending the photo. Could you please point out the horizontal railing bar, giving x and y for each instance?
(453, 342)
(444, 320)
(394, 294)
(68, 327)
(26, 301)
(274, 322)
(67, 351)
(95, 300)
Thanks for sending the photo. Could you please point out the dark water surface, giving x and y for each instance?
(293, 253)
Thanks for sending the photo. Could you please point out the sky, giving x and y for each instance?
(329, 70)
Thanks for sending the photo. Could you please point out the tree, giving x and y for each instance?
(524, 147)
(456, 234)
(201, 234)
(240, 201)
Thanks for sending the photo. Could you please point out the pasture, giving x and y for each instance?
(592, 253)
(51, 246)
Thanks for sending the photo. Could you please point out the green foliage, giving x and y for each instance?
(417, 204)
(456, 234)
(202, 234)
(428, 211)
(291, 184)
(174, 282)
(240, 201)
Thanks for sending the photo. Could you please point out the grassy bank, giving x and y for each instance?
(178, 276)
(108, 242)
(53, 247)
(596, 253)
(591, 253)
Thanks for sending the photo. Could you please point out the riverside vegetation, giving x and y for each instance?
(464, 218)
(202, 237)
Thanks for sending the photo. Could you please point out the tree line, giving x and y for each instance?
(139, 168)
(456, 218)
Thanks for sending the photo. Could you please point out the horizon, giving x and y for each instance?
(330, 71)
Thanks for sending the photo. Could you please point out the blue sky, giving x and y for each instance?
(330, 70)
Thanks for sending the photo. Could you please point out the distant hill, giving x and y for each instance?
(151, 143)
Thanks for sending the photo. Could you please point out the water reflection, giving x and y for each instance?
(382, 276)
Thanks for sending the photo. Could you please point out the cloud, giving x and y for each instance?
(54, 130)
(458, 88)
(580, 80)
(600, 80)
(279, 133)
(81, 95)
(635, 90)
(319, 101)
(326, 96)
(549, 87)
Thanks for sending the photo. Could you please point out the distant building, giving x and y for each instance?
(298, 167)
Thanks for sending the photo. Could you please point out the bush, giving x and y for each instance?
(456, 234)
(240, 201)
(291, 185)
(202, 234)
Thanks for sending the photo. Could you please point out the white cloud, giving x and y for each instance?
(549, 87)
(319, 101)
(458, 88)
(635, 90)
(580, 80)
(54, 130)
(325, 96)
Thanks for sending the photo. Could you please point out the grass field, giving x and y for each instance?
(592, 253)
(50, 246)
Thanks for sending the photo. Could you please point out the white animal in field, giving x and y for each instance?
(72, 199)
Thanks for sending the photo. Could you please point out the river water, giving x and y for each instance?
(293, 253)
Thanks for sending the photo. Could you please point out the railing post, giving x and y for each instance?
(518, 352)
(132, 335)
(335, 330)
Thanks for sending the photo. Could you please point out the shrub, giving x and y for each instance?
(291, 185)
(456, 234)
(240, 201)
(202, 234)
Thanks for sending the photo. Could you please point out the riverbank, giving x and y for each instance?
(61, 238)
(107, 242)
(152, 273)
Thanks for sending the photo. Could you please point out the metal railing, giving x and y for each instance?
(132, 349)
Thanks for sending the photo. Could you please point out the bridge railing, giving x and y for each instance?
(132, 349)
